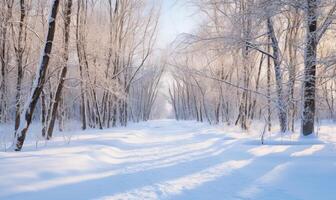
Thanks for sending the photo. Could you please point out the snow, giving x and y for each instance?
(166, 159)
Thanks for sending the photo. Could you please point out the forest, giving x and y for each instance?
(90, 78)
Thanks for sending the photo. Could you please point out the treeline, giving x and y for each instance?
(265, 60)
(90, 61)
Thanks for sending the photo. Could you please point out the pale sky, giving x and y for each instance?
(176, 17)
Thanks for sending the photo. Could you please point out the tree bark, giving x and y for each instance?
(282, 108)
(59, 89)
(39, 79)
(309, 82)
(19, 50)
(4, 58)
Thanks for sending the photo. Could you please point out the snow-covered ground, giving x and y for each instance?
(166, 159)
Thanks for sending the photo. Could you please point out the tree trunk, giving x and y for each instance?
(58, 94)
(4, 58)
(269, 114)
(19, 50)
(79, 41)
(39, 79)
(308, 115)
(43, 114)
(282, 108)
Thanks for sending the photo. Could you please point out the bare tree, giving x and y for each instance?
(37, 88)
(313, 36)
(19, 52)
(63, 73)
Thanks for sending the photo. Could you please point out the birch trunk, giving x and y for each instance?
(282, 108)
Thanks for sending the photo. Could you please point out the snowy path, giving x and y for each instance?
(168, 160)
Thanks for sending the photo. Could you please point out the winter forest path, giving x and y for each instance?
(166, 159)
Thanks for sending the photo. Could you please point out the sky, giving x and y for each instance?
(177, 17)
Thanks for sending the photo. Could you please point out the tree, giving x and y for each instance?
(282, 107)
(6, 15)
(38, 84)
(63, 73)
(313, 36)
(19, 52)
